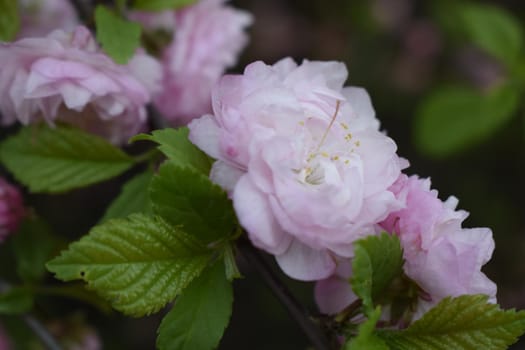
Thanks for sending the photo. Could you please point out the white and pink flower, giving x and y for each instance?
(65, 77)
(303, 159)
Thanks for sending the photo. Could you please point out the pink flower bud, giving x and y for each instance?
(11, 209)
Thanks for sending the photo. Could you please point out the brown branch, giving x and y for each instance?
(296, 310)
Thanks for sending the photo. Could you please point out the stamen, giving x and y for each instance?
(337, 104)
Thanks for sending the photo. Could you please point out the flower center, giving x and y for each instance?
(313, 172)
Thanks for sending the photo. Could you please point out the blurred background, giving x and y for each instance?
(413, 57)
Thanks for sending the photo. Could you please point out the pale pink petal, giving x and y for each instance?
(303, 263)
(225, 175)
(255, 216)
(333, 294)
(204, 133)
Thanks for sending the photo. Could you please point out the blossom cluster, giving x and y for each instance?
(56, 71)
(310, 172)
(301, 155)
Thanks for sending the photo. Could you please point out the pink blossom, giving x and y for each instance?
(64, 76)
(208, 38)
(443, 258)
(306, 166)
(40, 17)
(11, 209)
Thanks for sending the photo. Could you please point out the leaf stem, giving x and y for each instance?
(146, 156)
(76, 294)
(296, 310)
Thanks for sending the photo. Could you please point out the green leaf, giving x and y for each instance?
(133, 198)
(138, 264)
(185, 197)
(9, 20)
(15, 301)
(174, 143)
(200, 315)
(454, 118)
(60, 159)
(160, 5)
(467, 322)
(366, 338)
(494, 30)
(378, 260)
(118, 37)
(32, 246)
(121, 5)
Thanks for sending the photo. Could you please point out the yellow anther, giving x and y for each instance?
(344, 125)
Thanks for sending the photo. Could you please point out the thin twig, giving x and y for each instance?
(42, 333)
(40, 330)
(298, 312)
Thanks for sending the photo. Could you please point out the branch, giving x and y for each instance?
(296, 310)
(40, 330)
(42, 333)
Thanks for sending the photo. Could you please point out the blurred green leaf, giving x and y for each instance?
(200, 315)
(378, 260)
(160, 5)
(447, 14)
(59, 159)
(32, 246)
(176, 146)
(366, 337)
(494, 30)
(467, 322)
(138, 264)
(16, 300)
(183, 196)
(133, 198)
(453, 118)
(118, 37)
(9, 19)
(76, 291)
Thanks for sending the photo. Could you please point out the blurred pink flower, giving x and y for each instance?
(64, 76)
(208, 38)
(11, 209)
(303, 159)
(40, 17)
(5, 342)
